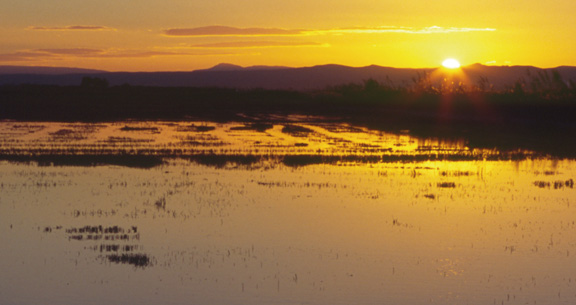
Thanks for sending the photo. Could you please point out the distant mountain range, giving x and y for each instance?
(278, 77)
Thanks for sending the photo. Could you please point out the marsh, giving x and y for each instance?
(235, 213)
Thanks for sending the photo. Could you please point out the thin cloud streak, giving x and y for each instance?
(405, 30)
(25, 56)
(73, 51)
(63, 54)
(232, 31)
(258, 44)
(72, 28)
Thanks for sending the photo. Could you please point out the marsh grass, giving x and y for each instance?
(555, 184)
(303, 231)
(138, 128)
(66, 159)
(446, 185)
(537, 113)
(195, 128)
(260, 127)
(135, 259)
(296, 131)
(225, 145)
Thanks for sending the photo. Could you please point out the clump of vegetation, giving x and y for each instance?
(446, 184)
(296, 131)
(556, 184)
(260, 127)
(430, 196)
(135, 259)
(67, 135)
(456, 173)
(195, 128)
(85, 159)
(131, 128)
(160, 203)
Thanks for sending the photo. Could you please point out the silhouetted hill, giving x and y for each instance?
(307, 78)
(224, 67)
(232, 67)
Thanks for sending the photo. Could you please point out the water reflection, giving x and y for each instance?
(290, 227)
(144, 144)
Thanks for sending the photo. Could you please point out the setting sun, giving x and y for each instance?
(451, 63)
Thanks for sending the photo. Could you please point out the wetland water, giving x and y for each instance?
(231, 215)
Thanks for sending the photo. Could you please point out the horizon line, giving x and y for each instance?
(279, 67)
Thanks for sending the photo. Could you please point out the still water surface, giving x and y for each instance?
(427, 232)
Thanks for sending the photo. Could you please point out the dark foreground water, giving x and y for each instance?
(260, 230)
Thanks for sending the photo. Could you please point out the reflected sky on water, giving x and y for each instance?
(433, 232)
(244, 213)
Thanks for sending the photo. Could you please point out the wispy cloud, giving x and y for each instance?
(258, 44)
(24, 56)
(233, 31)
(230, 31)
(72, 28)
(150, 54)
(401, 29)
(73, 51)
(63, 54)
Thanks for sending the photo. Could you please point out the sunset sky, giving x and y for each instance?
(179, 35)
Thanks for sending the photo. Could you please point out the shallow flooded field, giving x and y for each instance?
(293, 213)
(295, 136)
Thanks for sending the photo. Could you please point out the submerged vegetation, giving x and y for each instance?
(135, 259)
(292, 143)
(71, 159)
(536, 113)
(292, 232)
(337, 196)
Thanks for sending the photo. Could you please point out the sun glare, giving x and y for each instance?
(451, 63)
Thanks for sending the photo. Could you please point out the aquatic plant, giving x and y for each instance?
(296, 131)
(555, 184)
(137, 128)
(446, 184)
(135, 259)
(160, 203)
(259, 126)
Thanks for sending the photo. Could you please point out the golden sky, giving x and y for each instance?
(180, 35)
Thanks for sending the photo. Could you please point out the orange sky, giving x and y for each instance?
(178, 35)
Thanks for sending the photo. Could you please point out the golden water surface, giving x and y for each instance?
(474, 231)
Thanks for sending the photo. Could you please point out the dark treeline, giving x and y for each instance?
(78, 103)
(94, 100)
(539, 113)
